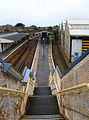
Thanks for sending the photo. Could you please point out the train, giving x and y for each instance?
(44, 37)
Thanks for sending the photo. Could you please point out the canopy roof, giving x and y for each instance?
(13, 37)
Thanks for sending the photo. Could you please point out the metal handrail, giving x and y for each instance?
(75, 87)
(75, 110)
(31, 82)
(11, 90)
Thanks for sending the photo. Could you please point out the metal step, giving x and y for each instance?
(46, 119)
(46, 105)
(42, 91)
(43, 117)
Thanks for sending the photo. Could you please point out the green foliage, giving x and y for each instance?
(49, 28)
(56, 27)
(20, 25)
(34, 27)
(31, 35)
(51, 37)
(6, 30)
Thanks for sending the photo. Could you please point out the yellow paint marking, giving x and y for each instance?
(86, 46)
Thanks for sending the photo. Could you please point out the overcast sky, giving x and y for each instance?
(42, 12)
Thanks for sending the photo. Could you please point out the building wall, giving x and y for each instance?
(67, 41)
(0, 48)
(10, 106)
(1, 29)
(62, 36)
(78, 99)
(6, 46)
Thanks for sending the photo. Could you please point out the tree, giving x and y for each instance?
(20, 25)
(49, 28)
(56, 27)
(34, 27)
(6, 30)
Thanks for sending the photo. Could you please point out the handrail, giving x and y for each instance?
(75, 87)
(11, 90)
(31, 82)
(59, 72)
(75, 110)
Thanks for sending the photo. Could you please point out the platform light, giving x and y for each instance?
(10, 70)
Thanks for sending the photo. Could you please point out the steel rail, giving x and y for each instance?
(26, 47)
(75, 87)
(75, 110)
(25, 57)
(11, 90)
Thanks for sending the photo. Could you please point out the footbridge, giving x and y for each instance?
(41, 92)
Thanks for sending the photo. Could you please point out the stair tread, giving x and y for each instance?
(42, 103)
(46, 100)
(42, 91)
(46, 119)
(42, 110)
(43, 116)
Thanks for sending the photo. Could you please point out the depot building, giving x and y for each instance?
(75, 40)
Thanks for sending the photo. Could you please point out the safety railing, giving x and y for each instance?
(16, 92)
(75, 87)
(60, 89)
(55, 79)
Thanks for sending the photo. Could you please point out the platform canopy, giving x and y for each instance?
(16, 37)
(5, 41)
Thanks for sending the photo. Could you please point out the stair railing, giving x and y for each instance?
(55, 84)
(10, 91)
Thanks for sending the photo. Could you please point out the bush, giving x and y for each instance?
(6, 30)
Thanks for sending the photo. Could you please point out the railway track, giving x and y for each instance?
(58, 58)
(23, 56)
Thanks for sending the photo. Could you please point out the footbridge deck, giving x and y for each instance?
(47, 95)
(43, 67)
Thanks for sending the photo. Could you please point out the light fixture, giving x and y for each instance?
(26, 74)
(10, 70)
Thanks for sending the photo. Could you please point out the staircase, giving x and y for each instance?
(42, 106)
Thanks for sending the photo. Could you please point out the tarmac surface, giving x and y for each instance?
(43, 67)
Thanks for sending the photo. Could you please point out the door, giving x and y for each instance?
(76, 56)
(76, 49)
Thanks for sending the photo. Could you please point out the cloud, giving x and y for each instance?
(42, 12)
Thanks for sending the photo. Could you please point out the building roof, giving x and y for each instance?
(79, 32)
(5, 41)
(78, 21)
(8, 34)
(78, 27)
(13, 37)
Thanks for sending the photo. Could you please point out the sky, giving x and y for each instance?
(42, 12)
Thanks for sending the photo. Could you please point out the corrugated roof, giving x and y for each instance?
(8, 34)
(78, 27)
(78, 32)
(16, 37)
(5, 41)
(78, 21)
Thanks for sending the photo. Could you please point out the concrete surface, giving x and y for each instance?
(43, 67)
